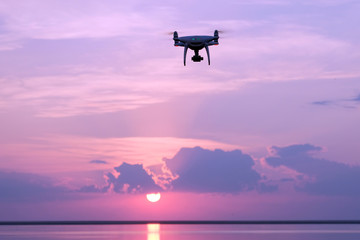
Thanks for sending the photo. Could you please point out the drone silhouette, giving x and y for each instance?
(196, 43)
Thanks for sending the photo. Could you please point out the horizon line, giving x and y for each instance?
(278, 222)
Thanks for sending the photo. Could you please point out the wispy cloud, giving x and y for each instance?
(61, 96)
(295, 2)
(146, 69)
(350, 103)
(288, 53)
(322, 103)
(81, 19)
(61, 153)
(263, 2)
(98, 161)
(283, 56)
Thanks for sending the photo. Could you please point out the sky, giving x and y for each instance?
(97, 110)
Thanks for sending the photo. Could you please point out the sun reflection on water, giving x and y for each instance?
(153, 231)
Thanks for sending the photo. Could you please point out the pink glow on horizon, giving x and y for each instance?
(178, 206)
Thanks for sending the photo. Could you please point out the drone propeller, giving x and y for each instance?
(169, 33)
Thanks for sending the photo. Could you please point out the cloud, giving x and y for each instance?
(9, 42)
(344, 103)
(326, 3)
(322, 103)
(132, 179)
(72, 152)
(81, 19)
(319, 3)
(98, 162)
(93, 189)
(75, 94)
(25, 187)
(356, 99)
(295, 150)
(284, 54)
(201, 170)
(263, 2)
(323, 177)
(289, 52)
(190, 170)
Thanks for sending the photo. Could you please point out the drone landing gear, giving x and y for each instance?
(197, 57)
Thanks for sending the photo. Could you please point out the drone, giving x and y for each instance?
(196, 43)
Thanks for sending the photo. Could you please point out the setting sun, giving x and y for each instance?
(153, 197)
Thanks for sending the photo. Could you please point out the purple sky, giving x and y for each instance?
(97, 110)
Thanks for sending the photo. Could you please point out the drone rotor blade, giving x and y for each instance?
(185, 51)
(208, 53)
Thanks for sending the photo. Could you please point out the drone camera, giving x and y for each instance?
(197, 58)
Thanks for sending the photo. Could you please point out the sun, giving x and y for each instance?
(153, 197)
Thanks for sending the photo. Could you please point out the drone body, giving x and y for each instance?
(196, 43)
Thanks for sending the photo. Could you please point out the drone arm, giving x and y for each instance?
(208, 53)
(213, 43)
(179, 44)
(185, 51)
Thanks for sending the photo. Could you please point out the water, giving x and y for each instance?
(177, 232)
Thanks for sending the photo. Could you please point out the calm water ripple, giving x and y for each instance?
(175, 232)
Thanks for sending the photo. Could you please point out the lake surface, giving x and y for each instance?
(178, 231)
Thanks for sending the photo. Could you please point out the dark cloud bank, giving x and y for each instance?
(132, 179)
(192, 170)
(200, 170)
(25, 187)
(203, 171)
(327, 178)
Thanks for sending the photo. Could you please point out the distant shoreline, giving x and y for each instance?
(277, 222)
